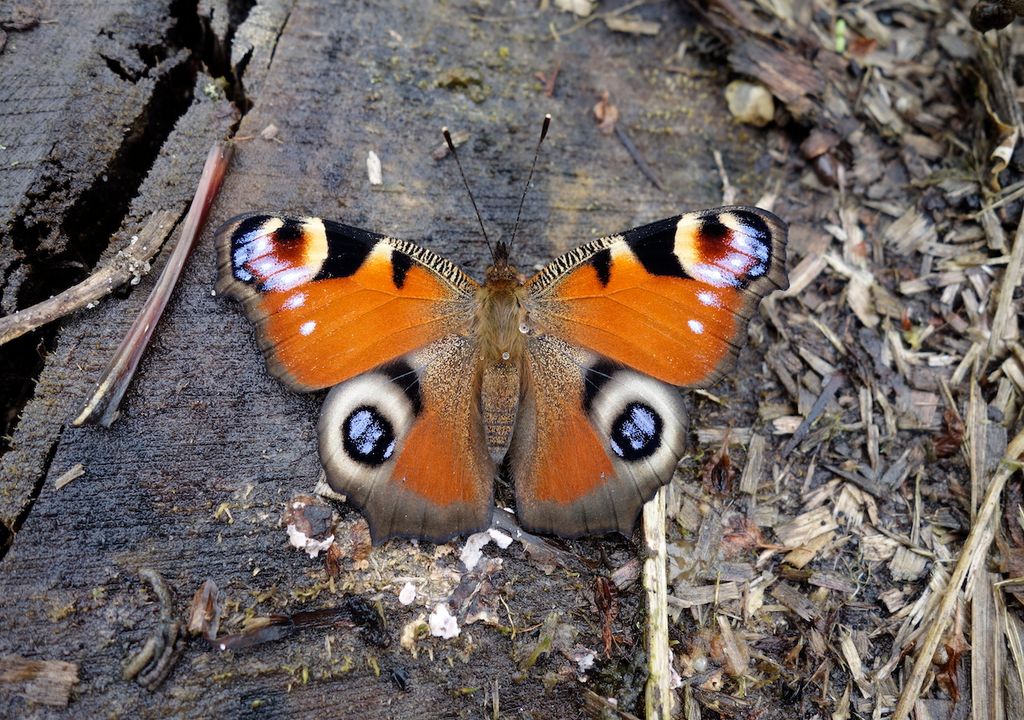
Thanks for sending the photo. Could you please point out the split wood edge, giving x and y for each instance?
(658, 694)
(130, 264)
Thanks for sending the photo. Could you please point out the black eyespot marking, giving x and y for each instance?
(400, 264)
(636, 432)
(602, 262)
(289, 235)
(368, 436)
(654, 246)
(402, 375)
(713, 231)
(347, 249)
(594, 378)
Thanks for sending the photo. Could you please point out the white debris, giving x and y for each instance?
(408, 594)
(373, 168)
(312, 547)
(471, 551)
(500, 539)
(442, 623)
(583, 657)
(580, 8)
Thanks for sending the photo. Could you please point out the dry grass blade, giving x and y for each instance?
(1004, 321)
(975, 547)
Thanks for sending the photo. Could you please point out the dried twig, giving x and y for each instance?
(638, 158)
(129, 264)
(827, 393)
(1004, 322)
(102, 405)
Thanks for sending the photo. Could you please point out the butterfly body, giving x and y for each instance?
(564, 379)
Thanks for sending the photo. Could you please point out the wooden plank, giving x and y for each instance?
(193, 478)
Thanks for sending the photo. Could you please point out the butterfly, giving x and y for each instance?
(564, 379)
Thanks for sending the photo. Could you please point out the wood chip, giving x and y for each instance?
(76, 471)
(692, 596)
(46, 682)
(632, 25)
(754, 469)
(793, 599)
(737, 655)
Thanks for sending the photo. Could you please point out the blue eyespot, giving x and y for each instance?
(368, 436)
(636, 432)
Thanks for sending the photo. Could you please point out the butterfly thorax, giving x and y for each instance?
(501, 318)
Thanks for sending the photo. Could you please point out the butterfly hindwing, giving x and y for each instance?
(670, 299)
(406, 445)
(332, 301)
(593, 442)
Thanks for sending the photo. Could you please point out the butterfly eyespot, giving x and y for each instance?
(364, 422)
(636, 432)
(368, 436)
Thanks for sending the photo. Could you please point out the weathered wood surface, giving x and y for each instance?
(205, 427)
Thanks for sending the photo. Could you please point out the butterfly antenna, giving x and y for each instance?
(536, 154)
(451, 146)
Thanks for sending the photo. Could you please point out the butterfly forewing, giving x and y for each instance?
(331, 301)
(670, 299)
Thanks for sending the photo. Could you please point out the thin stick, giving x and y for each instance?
(658, 695)
(102, 406)
(1005, 317)
(976, 546)
(451, 146)
(638, 158)
(536, 154)
(130, 263)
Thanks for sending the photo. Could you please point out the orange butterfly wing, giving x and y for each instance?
(331, 301)
(593, 442)
(670, 299)
(613, 323)
(388, 324)
(405, 444)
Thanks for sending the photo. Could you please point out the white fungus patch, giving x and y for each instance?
(310, 546)
(472, 550)
(500, 539)
(442, 623)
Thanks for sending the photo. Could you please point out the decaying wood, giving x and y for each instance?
(47, 682)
